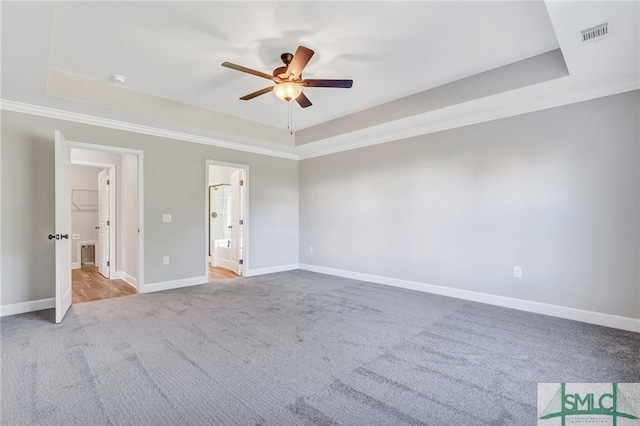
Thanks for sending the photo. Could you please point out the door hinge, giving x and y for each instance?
(241, 222)
(108, 223)
(240, 262)
(241, 182)
(108, 182)
(108, 263)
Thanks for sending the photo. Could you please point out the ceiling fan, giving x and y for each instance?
(288, 79)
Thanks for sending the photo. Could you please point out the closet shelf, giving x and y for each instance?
(84, 200)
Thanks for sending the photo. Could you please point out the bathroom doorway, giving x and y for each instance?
(226, 220)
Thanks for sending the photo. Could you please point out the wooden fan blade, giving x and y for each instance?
(258, 93)
(345, 84)
(300, 60)
(247, 70)
(303, 101)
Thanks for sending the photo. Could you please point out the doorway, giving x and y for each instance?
(95, 190)
(103, 217)
(226, 220)
(132, 257)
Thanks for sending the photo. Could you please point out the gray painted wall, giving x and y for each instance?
(174, 182)
(556, 192)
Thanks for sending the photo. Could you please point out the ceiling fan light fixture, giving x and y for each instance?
(288, 79)
(287, 90)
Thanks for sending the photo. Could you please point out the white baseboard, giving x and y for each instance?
(75, 265)
(271, 270)
(607, 320)
(599, 318)
(169, 285)
(121, 275)
(21, 308)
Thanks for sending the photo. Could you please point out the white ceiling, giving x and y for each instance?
(173, 51)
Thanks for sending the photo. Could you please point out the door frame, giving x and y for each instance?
(244, 235)
(139, 154)
(112, 206)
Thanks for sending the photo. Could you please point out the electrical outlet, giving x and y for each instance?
(310, 249)
(517, 271)
(166, 217)
(165, 260)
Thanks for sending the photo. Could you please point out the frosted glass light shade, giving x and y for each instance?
(287, 90)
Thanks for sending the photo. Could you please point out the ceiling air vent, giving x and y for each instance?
(593, 34)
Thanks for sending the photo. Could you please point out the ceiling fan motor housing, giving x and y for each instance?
(280, 73)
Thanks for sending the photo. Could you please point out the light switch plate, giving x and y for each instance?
(166, 217)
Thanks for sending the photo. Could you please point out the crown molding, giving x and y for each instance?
(345, 142)
(138, 128)
(350, 141)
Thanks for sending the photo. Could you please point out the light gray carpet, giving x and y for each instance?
(296, 348)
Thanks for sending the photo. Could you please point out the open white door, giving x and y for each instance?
(104, 222)
(237, 219)
(63, 225)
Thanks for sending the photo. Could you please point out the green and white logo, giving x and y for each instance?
(614, 404)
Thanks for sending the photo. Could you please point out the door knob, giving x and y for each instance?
(58, 236)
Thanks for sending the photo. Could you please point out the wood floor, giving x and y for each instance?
(87, 284)
(218, 273)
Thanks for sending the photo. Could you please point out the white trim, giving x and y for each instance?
(95, 164)
(599, 318)
(351, 141)
(102, 148)
(140, 163)
(24, 307)
(75, 265)
(121, 275)
(271, 270)
(138, 128)
(113, 220)
(340, 143)
(169, 285)
(140, 265)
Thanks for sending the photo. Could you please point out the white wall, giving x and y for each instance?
(555, 192)
(174, 182)
(220, 174)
